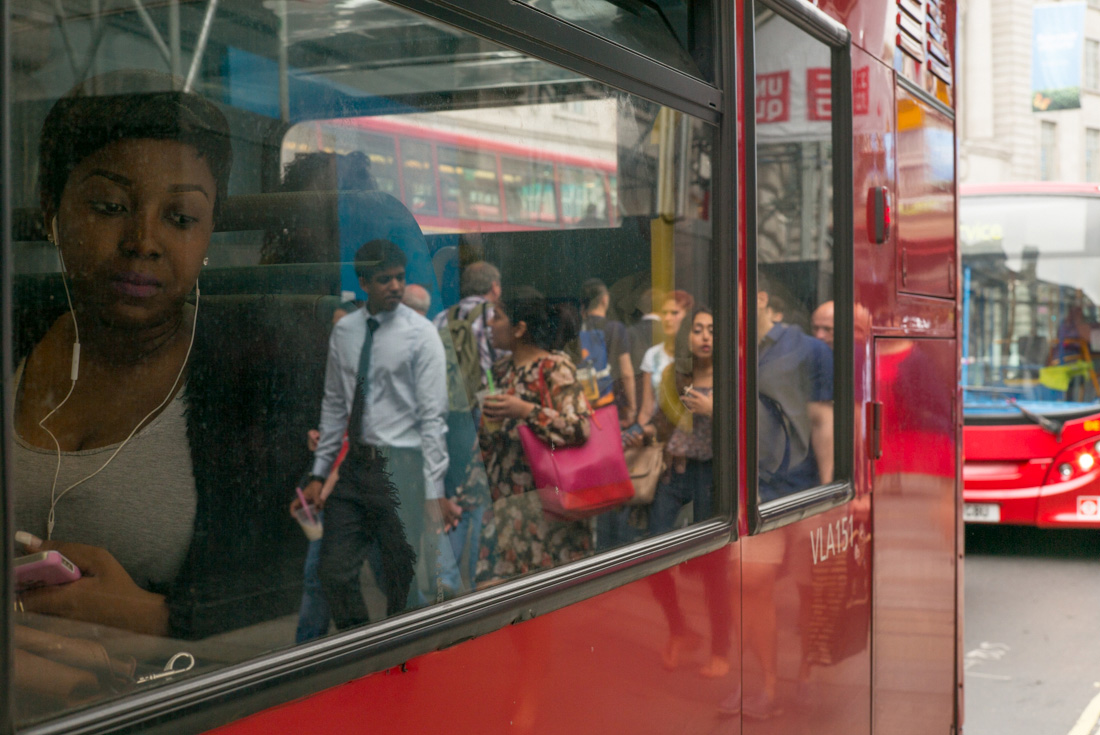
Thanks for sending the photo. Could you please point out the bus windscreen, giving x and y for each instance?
(1031, 285)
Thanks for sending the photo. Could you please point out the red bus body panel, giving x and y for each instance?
(1013, 466)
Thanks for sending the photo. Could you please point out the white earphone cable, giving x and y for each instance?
(54, 495)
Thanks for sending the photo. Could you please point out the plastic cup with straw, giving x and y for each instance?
(310, 523)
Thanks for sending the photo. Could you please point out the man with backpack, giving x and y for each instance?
(467, 323)
(464, 329)
(605, 347)
(605, 350)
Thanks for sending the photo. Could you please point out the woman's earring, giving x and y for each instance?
(206, 261)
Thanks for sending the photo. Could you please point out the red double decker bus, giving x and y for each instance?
(453, 182)
(760, 192)
(1028, 366)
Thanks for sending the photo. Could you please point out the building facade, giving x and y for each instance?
(1001, 138)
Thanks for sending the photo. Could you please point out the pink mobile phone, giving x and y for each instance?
(44, 568)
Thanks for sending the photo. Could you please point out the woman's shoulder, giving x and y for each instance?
(652, 355)
(557, 361)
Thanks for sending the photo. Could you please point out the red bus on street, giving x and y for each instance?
(452, 182)
(1031, 399)
(212, 213)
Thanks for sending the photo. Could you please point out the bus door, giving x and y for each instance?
(915, 517)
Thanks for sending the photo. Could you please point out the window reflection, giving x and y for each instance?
(794, 304)
(671, 32)
(268, 438)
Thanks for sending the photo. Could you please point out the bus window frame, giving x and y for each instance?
(209, 700)
(763, 517)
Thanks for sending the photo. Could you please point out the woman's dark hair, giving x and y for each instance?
(129, 105)
(684, 360)
(678, 375)
(549, 326)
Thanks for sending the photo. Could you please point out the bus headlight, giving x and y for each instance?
(1086, 461)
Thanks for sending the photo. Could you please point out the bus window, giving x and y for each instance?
(583, 197)
(266, 440)
(383, 161)
(468, 181)
(529, 192)
(419, 175)
(795, 270)
(342, 140)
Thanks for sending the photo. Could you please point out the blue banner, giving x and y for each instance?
(1058, 40)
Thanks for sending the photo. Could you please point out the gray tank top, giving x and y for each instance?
(141, 507)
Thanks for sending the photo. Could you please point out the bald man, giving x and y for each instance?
(417, 298)
(821, 323)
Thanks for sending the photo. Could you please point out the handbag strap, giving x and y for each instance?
(544, 396)
(544, 392)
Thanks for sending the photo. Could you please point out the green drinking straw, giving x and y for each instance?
(489, 380)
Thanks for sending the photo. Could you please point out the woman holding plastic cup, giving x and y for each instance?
(535, 386)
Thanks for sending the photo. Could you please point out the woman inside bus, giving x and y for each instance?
(535, 386)
(686, 404)
(686, 401)
(675, 306)
(155, 439)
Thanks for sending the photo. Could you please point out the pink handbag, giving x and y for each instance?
(579, 481)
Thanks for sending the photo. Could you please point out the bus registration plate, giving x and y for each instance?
(981, 513)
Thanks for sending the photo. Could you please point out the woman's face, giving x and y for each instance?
(702, 335)
(134, 225)
(500, 328)
(671, 316)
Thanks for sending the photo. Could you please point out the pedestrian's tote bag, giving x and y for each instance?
(579, 481)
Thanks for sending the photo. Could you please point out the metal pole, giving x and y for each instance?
(965, 329)
(200, 46)
(100, 30)
(684, 166)
(284, 62)
(153, 32)
(59, 12)
(7, 524)
(175, 63)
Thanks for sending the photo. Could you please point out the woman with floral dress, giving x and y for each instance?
(536, 386)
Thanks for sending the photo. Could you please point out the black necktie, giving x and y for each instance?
(363, 381)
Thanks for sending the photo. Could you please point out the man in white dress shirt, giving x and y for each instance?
(386, 385)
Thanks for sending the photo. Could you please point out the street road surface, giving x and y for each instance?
(1032, 632)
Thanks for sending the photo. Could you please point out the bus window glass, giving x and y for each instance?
(1030, 275)
(378, 159)
(583, 196)
(419, 174)
(310, 389)
(673, 33)
(383, 162)
(795, 270)
(468, 182)
(529, 191)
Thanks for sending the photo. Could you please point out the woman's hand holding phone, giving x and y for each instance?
(104, 594)
(698, 403)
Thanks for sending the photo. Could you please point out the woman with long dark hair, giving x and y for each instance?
(686, 400)
(536, 386)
